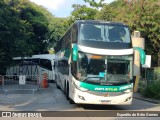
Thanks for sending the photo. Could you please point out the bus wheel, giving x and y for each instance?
(57, 86)
(67, 91)
(71, 101)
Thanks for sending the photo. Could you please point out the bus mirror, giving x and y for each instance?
(74, 52)
(142, 55)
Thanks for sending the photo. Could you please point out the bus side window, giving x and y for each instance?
(66, 67)
(46, 64)
(54, 64)
(74, 34)
(74, 69)
(58, 46)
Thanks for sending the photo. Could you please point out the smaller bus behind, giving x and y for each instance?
(33, 66)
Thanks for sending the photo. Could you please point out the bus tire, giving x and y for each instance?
(57, 86)
(71, 101)
(67, 91)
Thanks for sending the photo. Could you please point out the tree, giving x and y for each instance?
(56, 30)
(95, 4)
(12, 30)
(142, 15)
(24, 30)
(81, 12)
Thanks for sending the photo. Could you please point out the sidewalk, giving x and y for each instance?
(139, 96)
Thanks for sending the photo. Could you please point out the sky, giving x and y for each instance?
(61, 8)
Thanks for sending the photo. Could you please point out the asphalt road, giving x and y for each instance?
(52, 99)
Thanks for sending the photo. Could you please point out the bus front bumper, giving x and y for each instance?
(86, 98)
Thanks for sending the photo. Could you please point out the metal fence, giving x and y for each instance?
(152, 75)
(149, 77)
(12, 83)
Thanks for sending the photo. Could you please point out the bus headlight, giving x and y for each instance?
(128, 99)
(128, 91)
(83, 89)
(81, 97)
(79, 88)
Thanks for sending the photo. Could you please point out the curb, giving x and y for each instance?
(148, 100)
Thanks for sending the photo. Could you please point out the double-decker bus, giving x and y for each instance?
(94, 63)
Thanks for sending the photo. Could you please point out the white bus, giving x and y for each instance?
(32, 66)
(94, 63)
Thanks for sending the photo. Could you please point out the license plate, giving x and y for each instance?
(105, 102)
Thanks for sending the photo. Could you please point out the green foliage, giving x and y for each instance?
(141, 86)
(152, 90)
(93, 3)
(57, 27)
(25, 29)
(142, 15)
(12, 31)
(81, 12)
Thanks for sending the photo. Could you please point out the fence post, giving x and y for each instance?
(38, 81)
(1, 79)
(3, 89)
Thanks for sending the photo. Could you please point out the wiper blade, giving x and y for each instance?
(89, 78)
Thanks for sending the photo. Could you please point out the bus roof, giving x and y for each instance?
(44, 56)
(98, 21)
(20, 58)
(41, 56)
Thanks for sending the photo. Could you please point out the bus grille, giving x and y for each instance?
(106, 93)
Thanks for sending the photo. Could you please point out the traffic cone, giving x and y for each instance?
(44, 81)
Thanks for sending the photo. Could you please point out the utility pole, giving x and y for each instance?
(137, 41)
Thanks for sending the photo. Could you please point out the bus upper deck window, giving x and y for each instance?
(114, 35)
(90, 32)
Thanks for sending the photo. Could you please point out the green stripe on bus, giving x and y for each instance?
(100, 88)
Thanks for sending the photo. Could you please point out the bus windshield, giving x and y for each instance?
(104, 33)
(104, 70)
